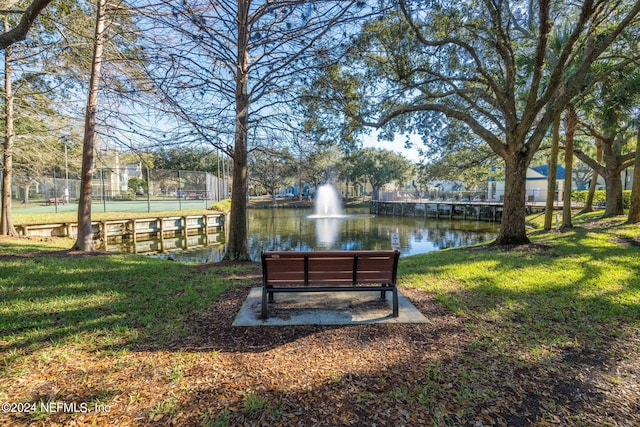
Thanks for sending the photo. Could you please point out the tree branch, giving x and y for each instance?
(601, 170)
(19, 32)
(496, 144)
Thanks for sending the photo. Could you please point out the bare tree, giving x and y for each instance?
(6, 222)
(32, 123)
(227, 70)
(84, 241)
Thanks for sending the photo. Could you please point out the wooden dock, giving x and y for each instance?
(458, 210)
(133, 230)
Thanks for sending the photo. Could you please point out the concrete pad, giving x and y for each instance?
(326, 308)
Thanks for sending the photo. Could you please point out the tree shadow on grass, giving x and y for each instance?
(490, 354)
(121, 300)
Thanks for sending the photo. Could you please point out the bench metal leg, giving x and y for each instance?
(395, 302)
(263, 311)
(267, 297)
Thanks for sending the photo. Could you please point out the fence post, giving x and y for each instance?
(105, 238)
(161, 226)
(179, 194)
(135, 236)
(148, 192)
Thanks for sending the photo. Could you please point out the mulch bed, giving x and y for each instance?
(440, 373)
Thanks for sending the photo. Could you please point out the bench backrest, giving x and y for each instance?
(329, 268)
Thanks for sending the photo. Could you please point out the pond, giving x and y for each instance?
(296, 229)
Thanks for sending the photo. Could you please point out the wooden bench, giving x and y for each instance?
(329, 271)
(54, 201)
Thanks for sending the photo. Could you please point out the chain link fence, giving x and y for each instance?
(438, 195)
(123, 184)
(533, 195)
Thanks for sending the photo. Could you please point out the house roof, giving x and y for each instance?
(544, 170)
(540, 173)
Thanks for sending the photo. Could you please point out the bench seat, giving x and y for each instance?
(329, 271)
(54, 201)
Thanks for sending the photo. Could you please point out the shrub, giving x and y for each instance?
(222, 205)
(600, 197)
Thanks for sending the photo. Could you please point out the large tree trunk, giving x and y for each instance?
(238, 246)
(552, 174)
(634, 210)
(571, 123)
(512, 228)
(6, 223)
(613, 179)
(614, 164)
(84, 241)
(614, 203)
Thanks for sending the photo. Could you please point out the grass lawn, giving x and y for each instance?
(72, 216)
(544, 334)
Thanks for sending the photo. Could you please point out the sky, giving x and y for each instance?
(397, 145)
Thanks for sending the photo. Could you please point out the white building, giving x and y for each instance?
(536, 187)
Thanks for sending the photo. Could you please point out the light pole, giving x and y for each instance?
(219, 184)
(104, 202)
(148, 190)
(228, 176)
(179, 192)
(103, 160)
(66, 172)
(226, 167)
(55, 191)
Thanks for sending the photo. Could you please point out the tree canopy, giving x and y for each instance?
(482, 64)
(480, 81)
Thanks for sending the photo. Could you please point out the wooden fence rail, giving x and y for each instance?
(131, 229)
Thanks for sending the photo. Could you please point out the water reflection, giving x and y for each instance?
(292, 229)
(201, 248)
(327, 230)
(283, 229)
